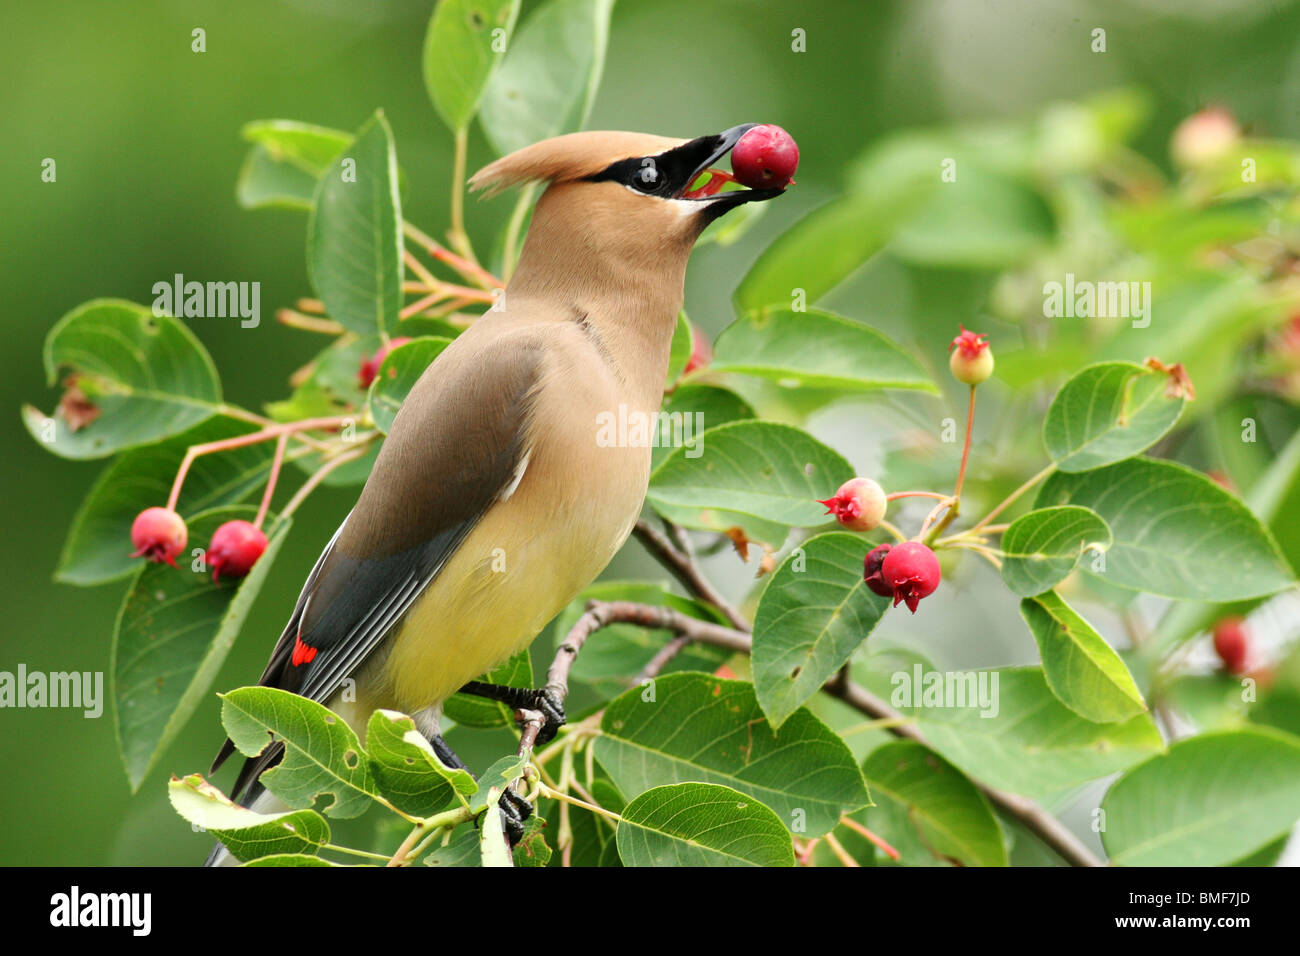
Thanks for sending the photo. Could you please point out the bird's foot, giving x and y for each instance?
(543, 700)
(549, 705)
(515, 810)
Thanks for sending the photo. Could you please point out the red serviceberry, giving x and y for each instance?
(370, 364)
(1231, 644)
(701, 351)
(765, 158)
(235, 548)
(158, 534)
(859, 504)
(972, 359)
(871, 573)
(912, 570)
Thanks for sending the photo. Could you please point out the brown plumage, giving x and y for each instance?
(493, 502)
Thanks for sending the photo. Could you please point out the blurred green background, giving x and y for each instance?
(145, 134)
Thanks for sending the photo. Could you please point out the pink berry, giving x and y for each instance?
(765, 158)
(859, 505)
(1231, 644)
(370, 364)
(158, 534)
(235, 548)
(871, 573)
(701, 351)
(1204, 137)
(972, 359)
(912, 570)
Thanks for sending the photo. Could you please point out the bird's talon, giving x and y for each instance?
(514, 811)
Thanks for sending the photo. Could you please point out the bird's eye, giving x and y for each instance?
(647, 177)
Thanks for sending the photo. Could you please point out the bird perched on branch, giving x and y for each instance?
(492, 503)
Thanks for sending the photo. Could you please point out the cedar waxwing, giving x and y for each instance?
(492, 504)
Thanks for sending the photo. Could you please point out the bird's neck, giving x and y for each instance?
(630, 302)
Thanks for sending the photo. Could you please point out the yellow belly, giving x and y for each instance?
(528, 557)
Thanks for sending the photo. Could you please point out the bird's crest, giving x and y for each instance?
(566, 158)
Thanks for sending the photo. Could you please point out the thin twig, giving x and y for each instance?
(686, 571)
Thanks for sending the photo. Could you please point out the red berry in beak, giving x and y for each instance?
(701, 351)
(765, 158)
(370, 365)
(235, 548)
(1232, 644)
(972, 359)
(158, 534)
(871, 573)
(912, 570)
(859, 505)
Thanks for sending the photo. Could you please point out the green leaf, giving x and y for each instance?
(749, 470)
(982, 220)
(98, 547)
(461, 850)
(815, 349)
(926, 809)
(245, 833)
(699, 727)
(1042, 548)
(532, 848)
(679, 350)
(172, 634)
(322, 755)
(701, 824)
(493, 849)
(689, 411)
(622, 650)
(1023, 739)
(825, 248)
(461, 51)
(1107, 413)
(290, 859)
(147, 375)
(285, 163)
(397, 375)
(1176, 533)
(495, 779)
(814, 614)
(479, 711)
(1083, 671)
(1211, 800)
(550, 75)
(407, 771)
(354, 246)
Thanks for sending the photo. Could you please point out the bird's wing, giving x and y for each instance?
(458, 443)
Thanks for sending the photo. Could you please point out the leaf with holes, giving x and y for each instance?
(172, 634)
(1083, 671)
(699, 727)
(1168, 522)
(322, 756)
(701, 824)
(130, 378)
(815, 612)
(1043, 547)
(1108, 412)
(407, 771)
(245, 833)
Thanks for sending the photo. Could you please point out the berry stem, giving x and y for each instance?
(468, 268)
(915, 494)
(1009, 499)
(892, 529)
(240, 441)
(308, 323)
(444, 290)
(866, 834)
(965, 452)
(318, 476)
(271, 480)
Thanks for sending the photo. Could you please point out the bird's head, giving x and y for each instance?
(633, 196)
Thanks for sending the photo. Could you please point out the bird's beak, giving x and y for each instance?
(692, 160)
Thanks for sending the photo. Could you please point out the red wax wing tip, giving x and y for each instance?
(302, 653)
(765, 158)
